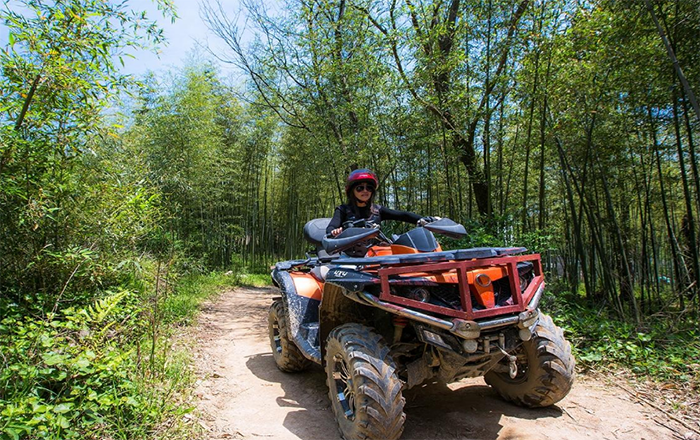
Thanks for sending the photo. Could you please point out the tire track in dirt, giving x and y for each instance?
(241, 394)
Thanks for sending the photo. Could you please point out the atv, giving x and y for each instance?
(386, 314)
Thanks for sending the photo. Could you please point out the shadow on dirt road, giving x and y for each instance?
(242, 394)
(468, 410)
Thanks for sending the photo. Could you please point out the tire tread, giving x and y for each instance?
(550, 369)
(379, 401)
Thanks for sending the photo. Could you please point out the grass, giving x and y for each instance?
(181, 307)
(191, 291)
(119, 367)
(255, 279)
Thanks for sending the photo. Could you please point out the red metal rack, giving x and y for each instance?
(520, 299)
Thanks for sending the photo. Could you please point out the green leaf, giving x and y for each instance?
(54, 359)
(62, 408)
(63, 422)
(38, 408)
(14, 435)
(83, 364)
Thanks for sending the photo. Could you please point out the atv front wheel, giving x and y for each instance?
(545, 369)
(287, 356)
(364, 388)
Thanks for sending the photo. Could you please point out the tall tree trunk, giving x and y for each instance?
(528, 137)
(691, 150)
(543, 118)
(688, 218)
(487, 116)
(626, 280)
(499, 159)
(565, 170)
(672, 56)
(678, 265)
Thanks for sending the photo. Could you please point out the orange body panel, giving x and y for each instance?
(307, 286)
(494, 273)
(394, 249)
(379, 251)
(397, 249)
(480, 281)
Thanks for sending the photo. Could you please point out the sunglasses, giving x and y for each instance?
(360, 188)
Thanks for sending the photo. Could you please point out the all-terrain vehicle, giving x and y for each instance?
(383, 315)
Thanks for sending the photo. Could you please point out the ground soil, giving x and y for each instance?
(241, 394)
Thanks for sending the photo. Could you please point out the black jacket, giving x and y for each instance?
(376, 213)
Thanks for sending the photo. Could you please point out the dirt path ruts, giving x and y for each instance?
(242, 394)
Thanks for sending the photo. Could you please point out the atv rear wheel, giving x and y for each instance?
(287, 355)
(545, 369)
(364, 388)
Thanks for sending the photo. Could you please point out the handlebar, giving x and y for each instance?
(358, 231)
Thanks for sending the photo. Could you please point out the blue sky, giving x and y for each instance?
(186, 36)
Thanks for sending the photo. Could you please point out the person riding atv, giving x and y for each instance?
(360, 188)
(386, 314)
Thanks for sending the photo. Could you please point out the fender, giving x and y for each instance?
(350, 279)
(302, 303)
(337, 309)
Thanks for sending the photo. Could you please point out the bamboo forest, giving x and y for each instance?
(566, 127)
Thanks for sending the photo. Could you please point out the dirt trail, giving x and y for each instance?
(241, 394)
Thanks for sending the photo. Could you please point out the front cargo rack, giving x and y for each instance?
(460, 271)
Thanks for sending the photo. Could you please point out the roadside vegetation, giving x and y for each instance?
(95, 279)
(664, 348)
(559, 126)
(116, 368)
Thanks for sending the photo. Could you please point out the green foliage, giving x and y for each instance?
(90, 211)
(205, 155)
(63, 207)
(86, 373)
(660, 349)
(493, 234)
(255, 279)
(76, 216)
(68, 376)
(182, 306)
(538, 241)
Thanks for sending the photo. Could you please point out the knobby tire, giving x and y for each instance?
(364, 388)
(548, 373)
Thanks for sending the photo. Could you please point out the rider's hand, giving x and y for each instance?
(336, 231)
(425, 220)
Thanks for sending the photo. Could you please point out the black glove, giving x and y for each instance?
(429, 219)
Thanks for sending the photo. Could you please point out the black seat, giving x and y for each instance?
(315, 230)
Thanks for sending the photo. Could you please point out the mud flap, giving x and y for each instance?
(303, 316)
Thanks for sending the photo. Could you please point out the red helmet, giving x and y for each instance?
(361, 175)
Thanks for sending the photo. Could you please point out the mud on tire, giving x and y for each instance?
(546, 369)
(287, 356)
(364, 388)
